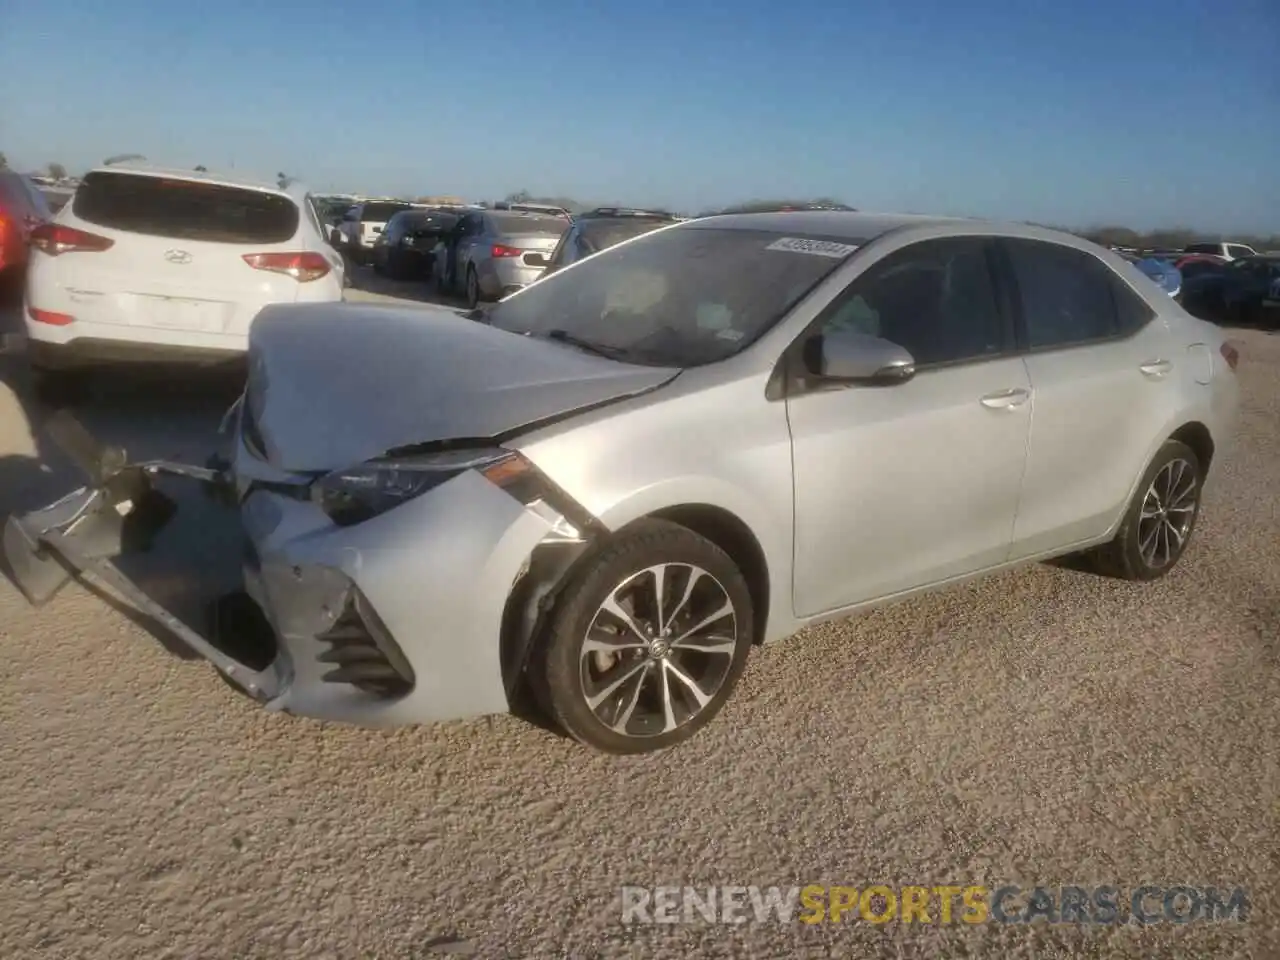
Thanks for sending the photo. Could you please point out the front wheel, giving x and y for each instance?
(647, 642)
(1159, 522)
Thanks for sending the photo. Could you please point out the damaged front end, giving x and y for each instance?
(417, 614)
(120, 513)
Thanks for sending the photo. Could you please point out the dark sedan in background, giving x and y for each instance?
(1246, 290)
(405, 250)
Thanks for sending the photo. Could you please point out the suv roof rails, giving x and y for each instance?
(122, 158)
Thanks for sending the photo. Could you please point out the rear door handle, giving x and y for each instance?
(1156, 369)
(1006, 399)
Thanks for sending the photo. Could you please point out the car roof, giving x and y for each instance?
(292, 188)
(625, 213)
(863, 227)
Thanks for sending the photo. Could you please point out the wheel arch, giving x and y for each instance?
(732, 535)
(1196, 436)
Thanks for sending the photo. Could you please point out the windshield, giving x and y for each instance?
(680, 298)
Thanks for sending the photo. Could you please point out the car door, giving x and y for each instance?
(563, 254)
(460, 244)
(472, 241)
(903, 486)
(1104, 372)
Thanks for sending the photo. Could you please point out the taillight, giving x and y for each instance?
(56, 238)
(501, 252)
(49, 317)
(1230, 354)
(303, 267)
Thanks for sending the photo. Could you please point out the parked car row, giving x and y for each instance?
(485, 255)
(147, 261)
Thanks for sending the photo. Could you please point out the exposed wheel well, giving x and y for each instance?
(735, 538)
(1196, 436)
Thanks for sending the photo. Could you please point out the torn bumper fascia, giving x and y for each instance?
(437, 571)
(80, 534)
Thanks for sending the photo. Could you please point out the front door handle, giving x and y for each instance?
(1006, 399)
(1156, 369)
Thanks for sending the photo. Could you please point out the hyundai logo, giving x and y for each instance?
(177, 256)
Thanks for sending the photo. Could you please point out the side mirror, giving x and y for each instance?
(850, 357)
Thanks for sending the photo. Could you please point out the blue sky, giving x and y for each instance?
(1076, 113)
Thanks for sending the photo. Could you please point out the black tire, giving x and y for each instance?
(557, 673)
(473, 288)
(1125, 557)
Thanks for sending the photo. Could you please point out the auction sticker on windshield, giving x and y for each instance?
(819, 248)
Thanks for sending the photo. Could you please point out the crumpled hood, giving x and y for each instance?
(333, 385)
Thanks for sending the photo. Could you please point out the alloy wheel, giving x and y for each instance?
(1168, 511)
(658, 649)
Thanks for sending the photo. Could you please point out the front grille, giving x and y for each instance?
(363, 652)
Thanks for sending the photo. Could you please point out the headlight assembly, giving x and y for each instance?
(359, 493)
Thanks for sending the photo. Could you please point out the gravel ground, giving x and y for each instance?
(1043, 727)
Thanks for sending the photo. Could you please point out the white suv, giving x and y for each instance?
(1226, 250)
(150, 263)
(363, 223)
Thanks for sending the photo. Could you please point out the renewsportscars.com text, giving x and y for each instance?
(973, 904)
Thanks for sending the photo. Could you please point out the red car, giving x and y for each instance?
(22, 209)
(1199, 263)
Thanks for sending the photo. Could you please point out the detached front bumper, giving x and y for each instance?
(396, 620)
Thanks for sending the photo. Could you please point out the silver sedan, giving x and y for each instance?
(599, 494)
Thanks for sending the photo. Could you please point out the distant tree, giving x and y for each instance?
(57, 171)
(4, 162)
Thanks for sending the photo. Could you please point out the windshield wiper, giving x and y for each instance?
(586, 346)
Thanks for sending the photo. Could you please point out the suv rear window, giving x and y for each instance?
(185, 209)
(381, 212)
(1212, 248)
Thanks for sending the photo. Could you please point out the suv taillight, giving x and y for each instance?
(501, 251)
(55, 239)
(303, 267)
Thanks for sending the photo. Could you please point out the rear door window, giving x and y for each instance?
(185, 209)
(1066, 294)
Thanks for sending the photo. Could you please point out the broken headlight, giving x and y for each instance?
(358, 493)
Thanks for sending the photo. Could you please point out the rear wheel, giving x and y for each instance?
(473, 288)
(1159, 521)
(647, 641)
